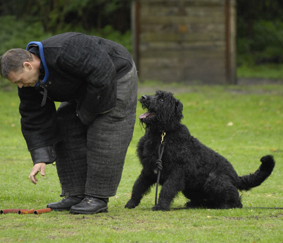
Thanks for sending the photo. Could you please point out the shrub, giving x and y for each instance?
(17, 34)
(264, 46)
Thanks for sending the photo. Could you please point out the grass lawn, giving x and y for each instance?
(243, 123)
(266, 71)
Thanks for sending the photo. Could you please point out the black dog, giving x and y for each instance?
(201, 174)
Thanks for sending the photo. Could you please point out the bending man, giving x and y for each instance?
(96, 82)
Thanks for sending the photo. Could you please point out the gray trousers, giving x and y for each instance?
(90, 159)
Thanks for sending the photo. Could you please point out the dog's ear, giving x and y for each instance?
(178, 109)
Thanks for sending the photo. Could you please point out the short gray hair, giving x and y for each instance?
(13, 60)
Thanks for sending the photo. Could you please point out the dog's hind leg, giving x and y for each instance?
(196, 197)
(221, 193)
(140, 188)
(228, 198)
(170, 188)
(234, 199)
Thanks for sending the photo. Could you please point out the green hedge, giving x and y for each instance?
(17, 34)
(265, 44)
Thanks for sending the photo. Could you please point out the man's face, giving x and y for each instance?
(26, 77)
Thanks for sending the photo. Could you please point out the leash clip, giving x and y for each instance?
(162, 137)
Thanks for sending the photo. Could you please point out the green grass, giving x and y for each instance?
(264, 71)
(243, 123)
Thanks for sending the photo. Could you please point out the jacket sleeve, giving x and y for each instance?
(84, 58)
(45, 154)
(39, 125)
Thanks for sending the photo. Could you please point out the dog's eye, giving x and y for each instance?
(160, 100)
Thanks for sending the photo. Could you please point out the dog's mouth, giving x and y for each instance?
(146, 115)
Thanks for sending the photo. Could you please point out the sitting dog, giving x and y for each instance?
(201, 174)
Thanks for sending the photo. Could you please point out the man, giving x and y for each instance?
(88, 136)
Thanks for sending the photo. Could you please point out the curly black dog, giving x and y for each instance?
(201, 174)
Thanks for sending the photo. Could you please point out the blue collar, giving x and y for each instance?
(39, 44)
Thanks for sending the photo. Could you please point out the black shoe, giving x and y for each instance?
(65, 204)
(90, 205)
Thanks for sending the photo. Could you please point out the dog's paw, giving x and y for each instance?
(159, 208)
(130, 204)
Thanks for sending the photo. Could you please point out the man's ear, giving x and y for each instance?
(27, 66)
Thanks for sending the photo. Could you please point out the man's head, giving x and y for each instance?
(20, 67)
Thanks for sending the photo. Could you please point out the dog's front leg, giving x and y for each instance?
(140, 188)
(170, 188)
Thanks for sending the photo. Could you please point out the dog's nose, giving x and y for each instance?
(144, 97)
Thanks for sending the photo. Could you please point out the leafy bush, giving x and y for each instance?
(16, 34)
(268, 39)
(108, 32)
(265, 44)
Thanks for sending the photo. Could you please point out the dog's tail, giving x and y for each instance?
(249, 181)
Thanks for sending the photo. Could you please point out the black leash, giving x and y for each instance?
(158, 163)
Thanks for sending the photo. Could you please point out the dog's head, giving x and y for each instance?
(164, 111)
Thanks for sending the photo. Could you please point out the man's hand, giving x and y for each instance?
(40, 167)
